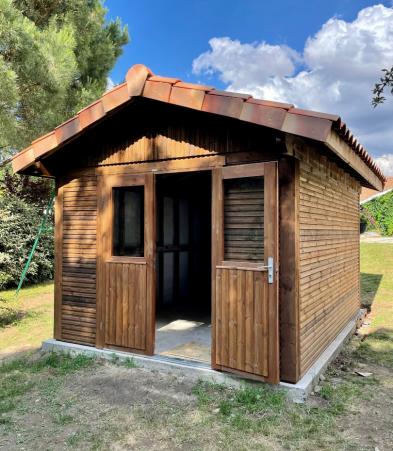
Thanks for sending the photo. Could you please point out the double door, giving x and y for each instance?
(244, 267)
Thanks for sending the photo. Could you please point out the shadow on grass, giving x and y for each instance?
(377, 348)
(11, 316)
(369, 284)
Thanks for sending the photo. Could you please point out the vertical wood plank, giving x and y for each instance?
(138, 293)
(289, 269)
(258, 326)
(119, 307)
(126, 318)
(150, 254)
(224, 343)
(145, 314)
(216, 256)
(132, 282)
(271, 250)
(232, 323)
(265, 325)
(241, 276)
(218, 322)
(249, 322)
(101, 279)
(58, 259)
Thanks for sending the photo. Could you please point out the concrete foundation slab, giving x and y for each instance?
(199, 370)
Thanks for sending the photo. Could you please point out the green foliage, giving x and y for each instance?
(19, 222)
(55, 56)
(386, 81)
(129, 362)
(381, 209)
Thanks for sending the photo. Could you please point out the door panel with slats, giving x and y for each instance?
(126, 288)
(245, 298)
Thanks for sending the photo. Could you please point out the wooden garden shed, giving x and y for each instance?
(175, 197)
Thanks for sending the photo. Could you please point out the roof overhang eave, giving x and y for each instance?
(339, 147)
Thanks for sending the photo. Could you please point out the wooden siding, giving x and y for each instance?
(78, 277)
(242, 320)
(329, 252)
(125, 294)
(289, 269)
(162, 133)
(243, 219)
(245, 306)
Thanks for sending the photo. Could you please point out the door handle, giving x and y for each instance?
(270, 269)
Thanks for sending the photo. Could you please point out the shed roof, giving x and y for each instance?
(328, 129)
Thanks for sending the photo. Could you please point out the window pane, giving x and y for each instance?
(243, 219)
(128, 221)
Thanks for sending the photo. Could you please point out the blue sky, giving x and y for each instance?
(312, 53)
(167, 35)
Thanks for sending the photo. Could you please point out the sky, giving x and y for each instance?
(316, 54)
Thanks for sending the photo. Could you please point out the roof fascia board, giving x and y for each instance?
(343, 151)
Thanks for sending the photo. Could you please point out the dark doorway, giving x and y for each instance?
(183, 309)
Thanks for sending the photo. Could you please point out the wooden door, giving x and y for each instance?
(126, 266)
(245, 252)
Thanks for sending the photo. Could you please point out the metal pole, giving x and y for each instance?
(39, 233)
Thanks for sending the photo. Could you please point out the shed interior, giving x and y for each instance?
(183, 301)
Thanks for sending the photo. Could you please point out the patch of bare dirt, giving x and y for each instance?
(370, 423)
(92, 409)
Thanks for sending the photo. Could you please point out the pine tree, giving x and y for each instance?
(55, 57)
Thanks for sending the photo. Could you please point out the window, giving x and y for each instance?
(128, 221)
(244, 219)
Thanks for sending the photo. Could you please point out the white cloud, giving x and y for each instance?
(385, 162)
(335, 72)
(110, 84)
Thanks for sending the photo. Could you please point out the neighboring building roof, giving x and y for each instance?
(140, 81)
(368, 194)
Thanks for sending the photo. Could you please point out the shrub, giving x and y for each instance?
(381, 209)
(19, 222)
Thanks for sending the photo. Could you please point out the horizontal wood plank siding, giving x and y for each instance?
(244, 219)
(78, 292)
(329, 253)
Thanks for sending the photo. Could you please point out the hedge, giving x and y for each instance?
(381, 209)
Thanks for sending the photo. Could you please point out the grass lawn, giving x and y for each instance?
(59, 402)
(27, 320)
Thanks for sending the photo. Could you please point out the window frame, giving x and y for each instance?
(107, 197)
(229, 242)
(237, 172)
(114, 222)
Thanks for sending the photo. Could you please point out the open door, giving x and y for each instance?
(126, 266)
(244, 261)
